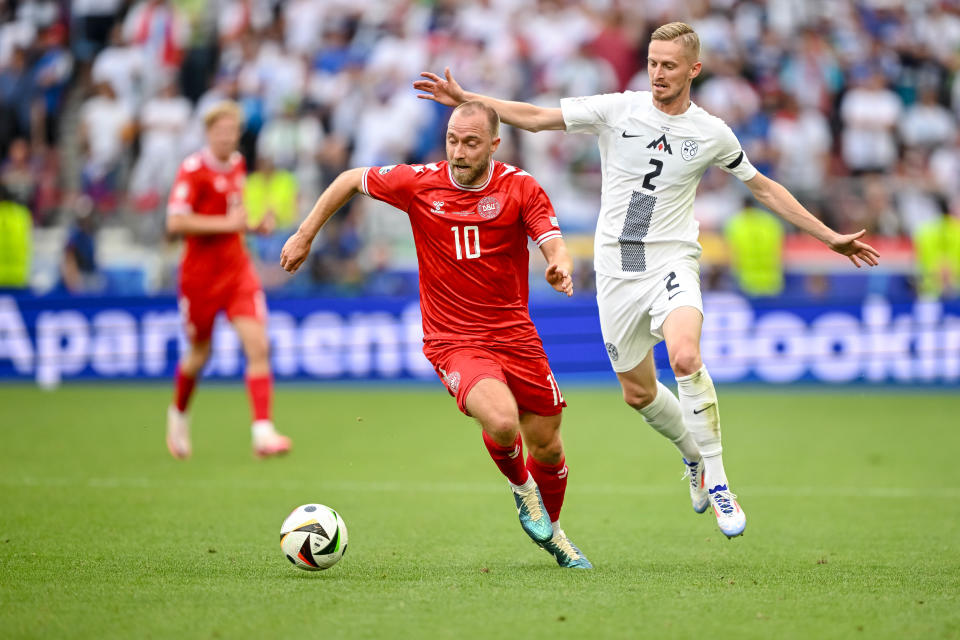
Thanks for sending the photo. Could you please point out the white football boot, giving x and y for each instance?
(267, 442)
(730, 517)
(178, 433)
(699, 497)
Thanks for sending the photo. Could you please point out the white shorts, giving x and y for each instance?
(632, 311)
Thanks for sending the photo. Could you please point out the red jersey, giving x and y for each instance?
(471, 247)
(205, 186)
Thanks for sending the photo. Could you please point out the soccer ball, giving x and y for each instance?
(313, 537)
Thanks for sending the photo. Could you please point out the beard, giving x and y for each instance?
(467, 176)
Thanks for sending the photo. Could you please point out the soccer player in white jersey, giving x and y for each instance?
(654, 148)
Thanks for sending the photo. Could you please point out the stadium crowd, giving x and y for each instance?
(852, 105)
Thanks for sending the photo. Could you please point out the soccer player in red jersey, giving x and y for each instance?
(216, 274)
(471, 217)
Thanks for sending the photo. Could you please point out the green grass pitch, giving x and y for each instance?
(852, 500)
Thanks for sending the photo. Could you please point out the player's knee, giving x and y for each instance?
(548, 453)
(638, 397)
(685, 361)
(258, 349)
(502, 428)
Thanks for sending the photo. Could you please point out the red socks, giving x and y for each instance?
(552, 480)
(509, 459)
(260, 390)
(182, 389)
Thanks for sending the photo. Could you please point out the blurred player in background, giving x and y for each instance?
(471, 217)
(655, 146)
(216, 274)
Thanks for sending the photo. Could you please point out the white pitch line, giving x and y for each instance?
(140, 482)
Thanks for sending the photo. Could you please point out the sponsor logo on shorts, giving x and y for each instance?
(452, 380)
(689, 149)
(612, 350)
(488, 208)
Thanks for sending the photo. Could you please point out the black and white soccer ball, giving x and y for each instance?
(313, 537)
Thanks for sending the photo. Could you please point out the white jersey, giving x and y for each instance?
(652, 163)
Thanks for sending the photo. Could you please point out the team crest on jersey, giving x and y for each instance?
(488, 207)
(689, 149)
(220, 184)
(612, 350)
(452, 380)
(661, 144)
(387, 169)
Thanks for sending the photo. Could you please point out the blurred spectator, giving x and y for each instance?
(123, 66)
(14, 98)
(106, 130)
(16, 229)
(163, 124)
(78, 269)
(271, 193)
(91, 22)
(800, 143)
(927, 123)
(161, 30)
(937, 247)
(19, 174)
(755, 239)
(49, 76)
(870, 113)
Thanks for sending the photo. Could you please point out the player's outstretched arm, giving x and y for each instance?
(527, 116)
(192, 224)
(775, 197)
(559, 271)
(297, 247)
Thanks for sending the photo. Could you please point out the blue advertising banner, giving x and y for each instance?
(49, 340)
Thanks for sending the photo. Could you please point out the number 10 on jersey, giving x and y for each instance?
(471, 245)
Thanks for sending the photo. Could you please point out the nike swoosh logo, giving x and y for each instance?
(675, 294)
(627, 135)
(695, 411)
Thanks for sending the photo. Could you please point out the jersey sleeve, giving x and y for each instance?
(393, 184)
(539, 218)
(184, 193)
(730, 155)
(590, 114)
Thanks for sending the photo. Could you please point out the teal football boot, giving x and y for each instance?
(567, 554)
(533, 515)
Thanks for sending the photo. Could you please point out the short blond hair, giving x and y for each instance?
(683, 32)
(222, 109)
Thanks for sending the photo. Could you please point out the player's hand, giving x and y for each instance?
(295, 251)
(236, 218)
(559, 279)
(267, 225)
(445, 91)
(851, 246)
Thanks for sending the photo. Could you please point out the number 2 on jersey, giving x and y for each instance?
(471, 249)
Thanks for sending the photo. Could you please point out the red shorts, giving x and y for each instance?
(200, 302)
(526, 372)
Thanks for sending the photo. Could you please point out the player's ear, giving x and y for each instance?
(494, 144)
(695, 69)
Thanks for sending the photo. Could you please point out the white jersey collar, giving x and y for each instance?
(478, 188)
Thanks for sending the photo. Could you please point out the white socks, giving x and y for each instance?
(698, 402)
(262, 429)
(664, 415)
